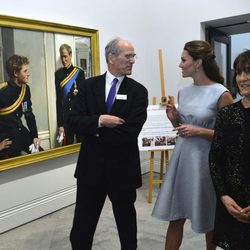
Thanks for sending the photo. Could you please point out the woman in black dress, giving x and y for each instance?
(230, 165)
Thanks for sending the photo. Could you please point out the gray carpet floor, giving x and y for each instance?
(51, 232)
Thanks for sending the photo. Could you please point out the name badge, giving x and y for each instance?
(121, 97)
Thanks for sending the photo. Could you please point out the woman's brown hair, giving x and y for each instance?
(199, 49)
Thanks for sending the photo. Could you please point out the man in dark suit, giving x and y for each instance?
(109, 163)
(67, 80)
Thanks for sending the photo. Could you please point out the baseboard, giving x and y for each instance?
(35, 209)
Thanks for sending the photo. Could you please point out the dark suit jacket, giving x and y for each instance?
(109, 154)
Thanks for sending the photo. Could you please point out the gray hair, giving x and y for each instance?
(113, 48)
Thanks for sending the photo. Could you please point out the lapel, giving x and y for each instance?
(99, 93)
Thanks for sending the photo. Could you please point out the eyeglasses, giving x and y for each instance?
(130, 56)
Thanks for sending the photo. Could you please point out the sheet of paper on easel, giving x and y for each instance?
(157, 132)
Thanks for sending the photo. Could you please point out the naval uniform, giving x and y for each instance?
(65, 98)
(10, 121)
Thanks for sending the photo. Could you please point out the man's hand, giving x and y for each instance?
(110, 121)
(5, 143)
(36, 142)
(61, 130)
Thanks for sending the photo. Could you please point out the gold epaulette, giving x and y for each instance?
(3, 85)
(79, 68)
(13, 107)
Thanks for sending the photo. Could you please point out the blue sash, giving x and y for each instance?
(69, 84)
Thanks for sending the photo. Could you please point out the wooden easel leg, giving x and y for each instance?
(151, 175)
(166, 158)
(162, 165)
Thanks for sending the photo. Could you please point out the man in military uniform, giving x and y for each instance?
(67, 80)
(15, 101)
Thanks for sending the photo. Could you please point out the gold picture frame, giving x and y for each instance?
(50, 32)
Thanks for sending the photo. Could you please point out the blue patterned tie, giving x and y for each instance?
(111, 95)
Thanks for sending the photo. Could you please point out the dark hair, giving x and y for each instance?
(241, 64)
(199, 49)
(15, 63)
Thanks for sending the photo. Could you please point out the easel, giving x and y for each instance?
(165, 152)
(164, 162)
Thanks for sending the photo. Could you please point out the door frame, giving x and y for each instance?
(220, 30)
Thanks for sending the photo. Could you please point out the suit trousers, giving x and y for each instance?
(89, 204)
(70, 136)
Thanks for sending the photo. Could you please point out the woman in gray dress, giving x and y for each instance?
(187, 191)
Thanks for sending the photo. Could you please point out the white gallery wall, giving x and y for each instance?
(149, 25)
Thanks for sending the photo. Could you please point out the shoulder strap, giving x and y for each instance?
(16, 104)
(3, 85)
(69, 77)
(79, 68)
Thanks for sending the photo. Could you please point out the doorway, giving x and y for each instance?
(229, 37)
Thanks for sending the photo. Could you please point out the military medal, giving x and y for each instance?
(24, 106)
(75, 91)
